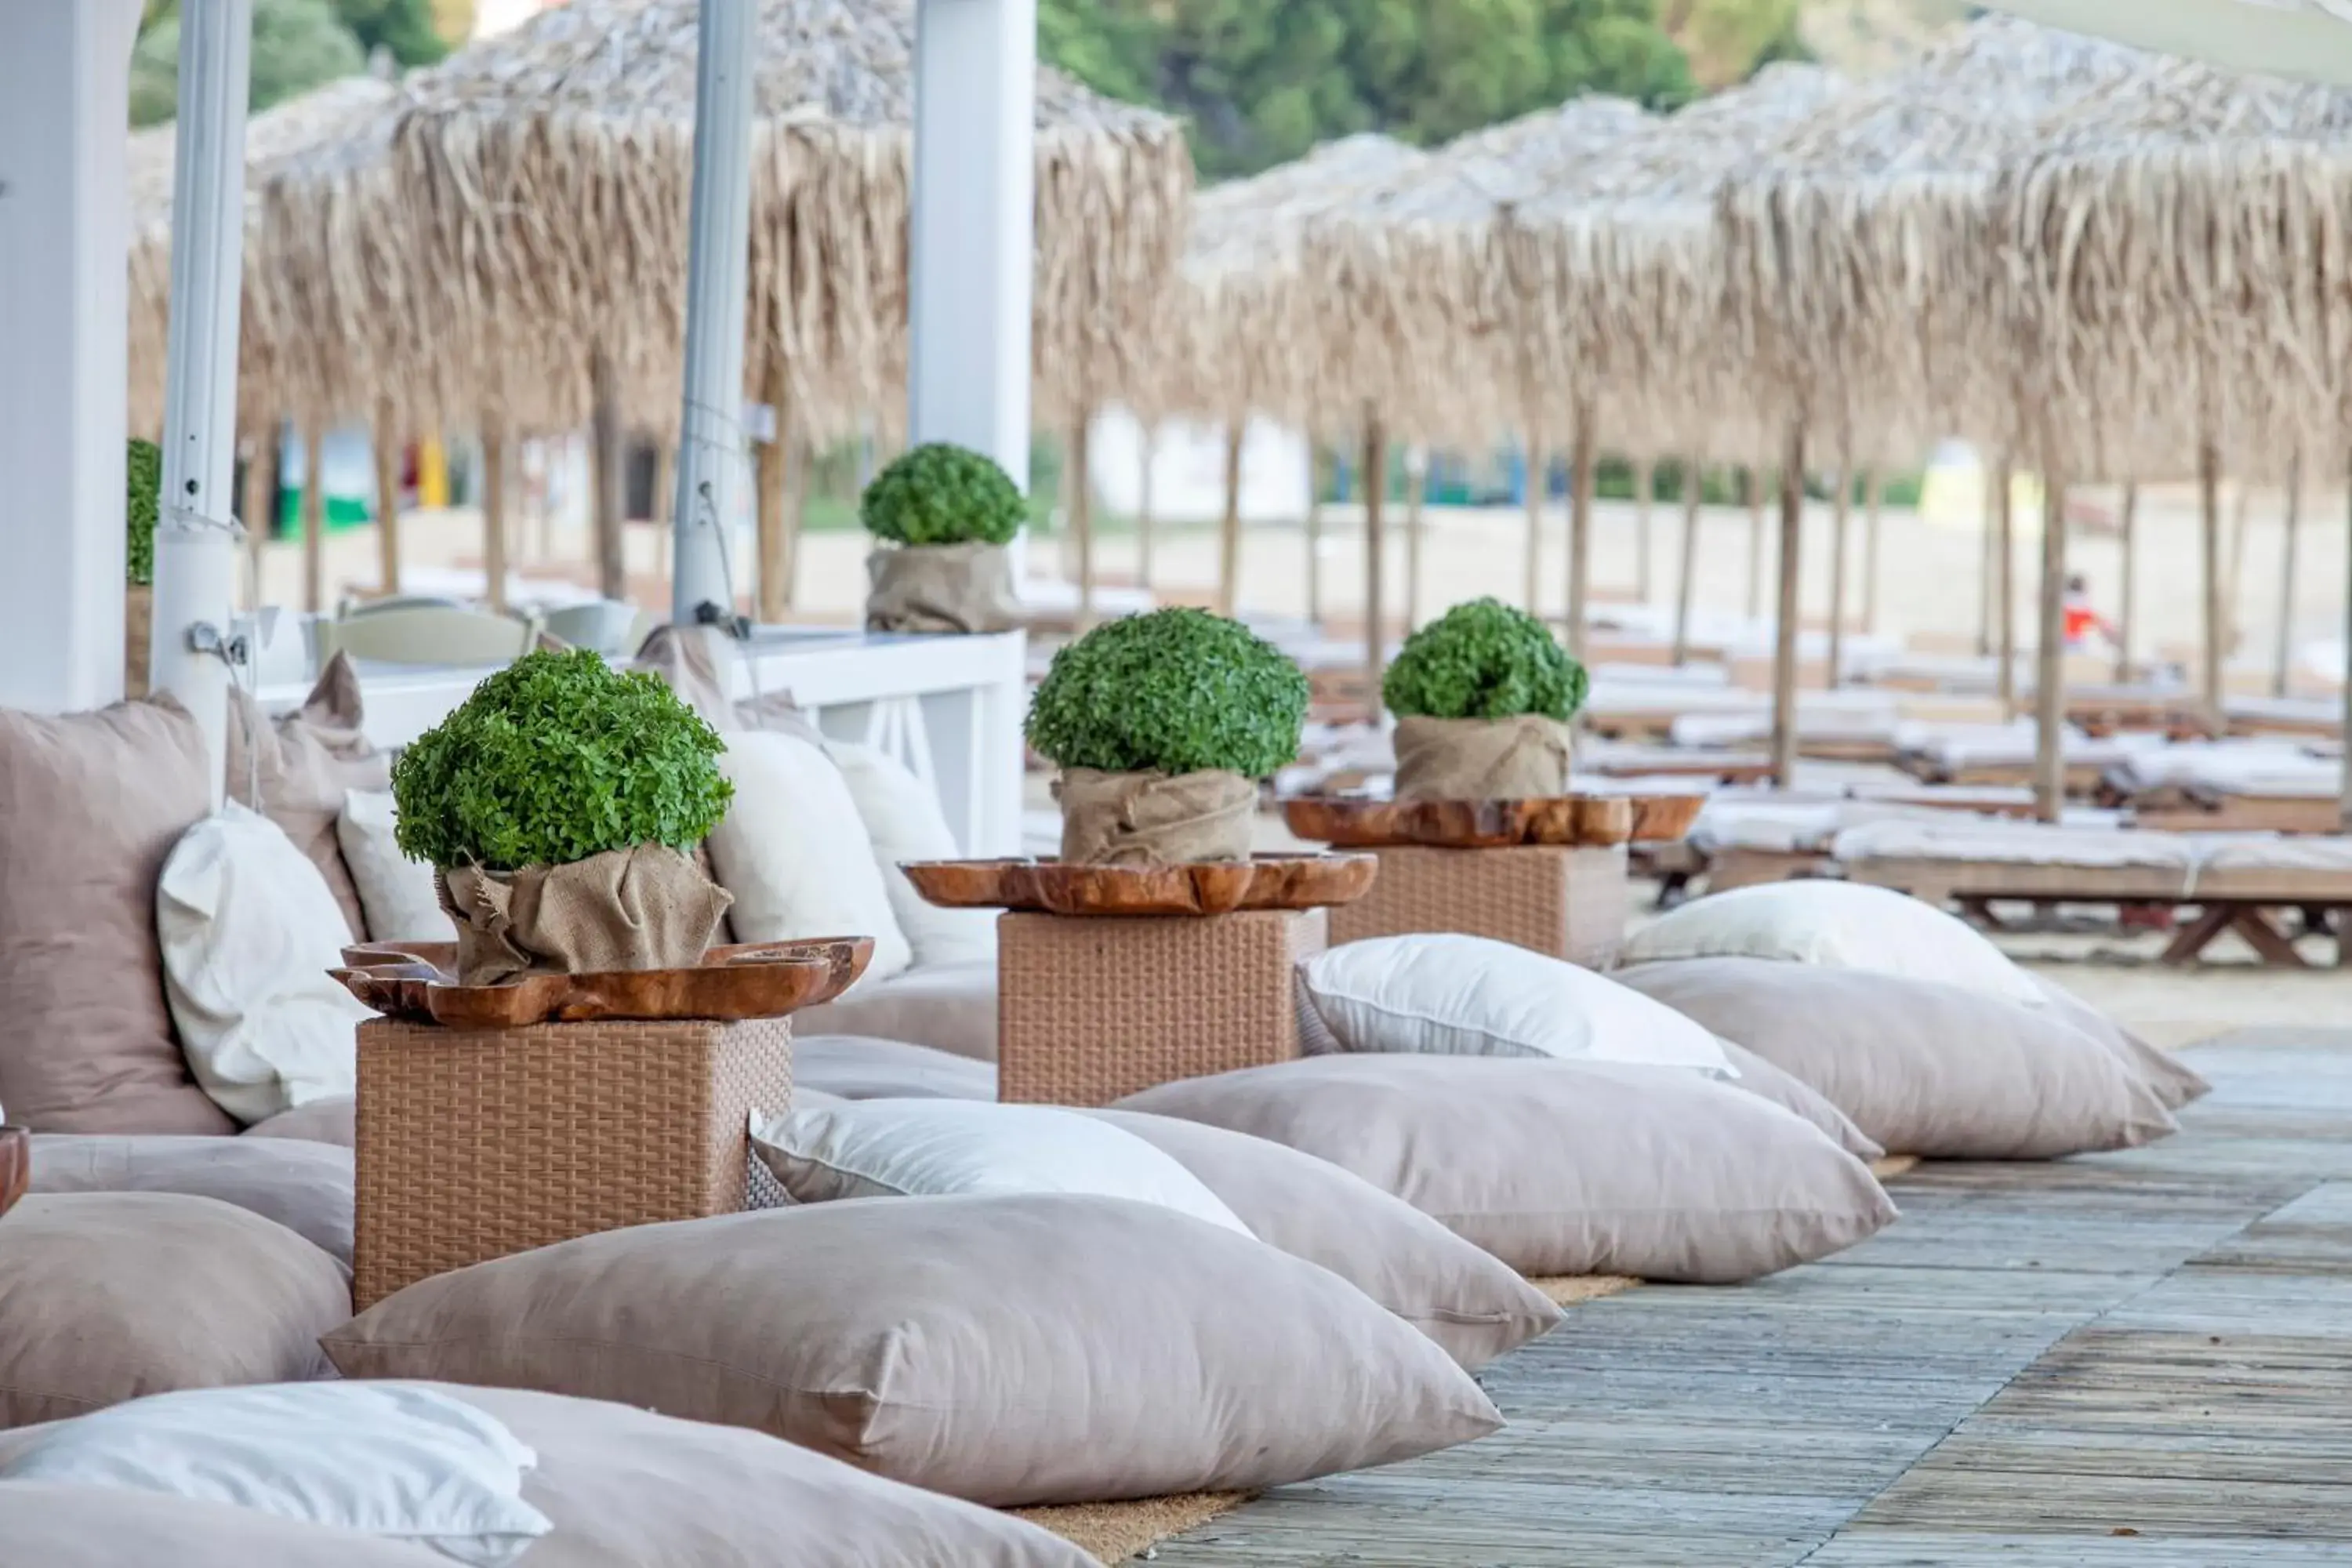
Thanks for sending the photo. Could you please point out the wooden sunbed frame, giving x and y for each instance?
(2243, 814)
(2081, 778)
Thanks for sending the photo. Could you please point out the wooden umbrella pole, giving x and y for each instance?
(1416, 498)
(1143, 507)
(2128, 569)
(774, 544)
(608, 476)
(1375, 474)
(1584, 455)
(1644, 478)
(494, 518)
(2050, 670)
(1873, 496)
(1314, 536)
(386, 447)
(1838, 517)
(2283, 651)
(2209, 507)
(1686, 573)
(2005, 584)
(1784, 641)
(1082, 519)
(1229, 526)
(1752, 493)
(1535, 489)
(314, 520)
(1985, 586)
(260, 454)
(2235, 583)
(665, 494)
(797, 465)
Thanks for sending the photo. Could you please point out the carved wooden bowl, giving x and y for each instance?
(1665, 818)
(1359, 822)
(16, 1165)
(417, 980)
(1201, 887)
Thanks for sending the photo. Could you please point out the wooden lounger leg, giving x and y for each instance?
(2197, 935)
(2255, 924)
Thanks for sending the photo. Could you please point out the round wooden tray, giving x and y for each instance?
(417, 981)
(1361, 822)
(16, 1165)
(1201, 887)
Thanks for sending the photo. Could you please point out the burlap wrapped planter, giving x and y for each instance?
(1520, 758)
(647, 907)
(1569, 904)
(941, 588)
(1154, 819)
(1091, 1009)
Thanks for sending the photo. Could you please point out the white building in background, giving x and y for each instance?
(494, 16)
(1188, 469)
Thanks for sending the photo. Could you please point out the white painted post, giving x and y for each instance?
(710, 454)
(65, 88)
(195, 536)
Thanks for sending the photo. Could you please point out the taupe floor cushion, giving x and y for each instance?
(859, 1066)
(43, 1525)
(1469, 1301)
(321, 1121)
(1563, 1167)
(1923, 1067)
(2174, 1082)
(949, 1008)
(108, 1296)
(1759, 1077)
(304, 1186)
(1002, 1350)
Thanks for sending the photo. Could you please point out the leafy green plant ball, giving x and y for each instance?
(943, 494)
(556, 758)
(1175, 690)
(143, 506)
(1482, 659)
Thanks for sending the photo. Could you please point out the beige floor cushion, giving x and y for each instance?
(626, 1487)
(1835, 925)
(44, 1525)
(859, 1066)
(1924, 1068)
(321, 1121)
(108, 1296)
(1006, 1350)
(2175, 1081)
(949, 1008)
(93, 803)
(1758, 1075)
(1465, 1299)
(905, 822)
(305, 1186)
(1560, 1167)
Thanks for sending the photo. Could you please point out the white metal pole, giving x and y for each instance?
(196, 535)
(710, 447)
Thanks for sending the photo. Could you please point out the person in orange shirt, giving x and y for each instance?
(2082, 621)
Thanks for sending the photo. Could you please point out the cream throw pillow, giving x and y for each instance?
(1838, 925)
(795, 853)
(380, 1458)
(249, 930)
(1444, 994)
(903, 817)
(939, 1148)
(397, 893)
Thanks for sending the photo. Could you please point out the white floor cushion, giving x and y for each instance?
(381, 1458)
(940, 1148)
(249, 930)
(903, 818)
(795, 853)
(396, 892)
(1437, 994)
(1839, 925)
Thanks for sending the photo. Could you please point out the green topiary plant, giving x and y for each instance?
(943, 494)
(556, 758)
(1175, 691)
(1482, 659)
(143, 508)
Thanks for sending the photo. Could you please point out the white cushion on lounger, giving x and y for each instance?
(1959, 837)
(2298, 853)
(948, 1007)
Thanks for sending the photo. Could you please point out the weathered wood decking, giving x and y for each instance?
(2138, 1359)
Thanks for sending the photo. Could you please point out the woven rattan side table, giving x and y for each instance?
(474, 1143)
(1569, 903)
(1091, 1008)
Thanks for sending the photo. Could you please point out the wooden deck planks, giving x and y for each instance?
(2142, 1359)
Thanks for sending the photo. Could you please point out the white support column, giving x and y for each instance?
(974, 223)
(65, 84)
(196, 537)
(710, 449)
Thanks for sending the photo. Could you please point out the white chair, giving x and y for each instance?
(428, 634)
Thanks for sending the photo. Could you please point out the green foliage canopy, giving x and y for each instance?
(556, 758)
(939, 493)
(297, 45)
(1482, 659)
(143, 496)
(1175, 691)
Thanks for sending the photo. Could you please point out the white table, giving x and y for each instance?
(948, 707)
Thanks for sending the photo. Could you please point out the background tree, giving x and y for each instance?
(297, 45)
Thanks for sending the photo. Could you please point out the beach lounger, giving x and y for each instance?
(2003, 755)
(2264, 786)
(2319, 717)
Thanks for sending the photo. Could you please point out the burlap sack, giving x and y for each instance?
(1524, 758)
(1152, 819)
(941, 588)
(642, 907)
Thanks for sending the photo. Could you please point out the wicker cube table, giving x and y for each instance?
(474, 1143)
(1091, 1008)
(1570, 904)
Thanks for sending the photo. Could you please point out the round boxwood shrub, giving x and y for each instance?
(555, 758)
(1482, 659)
(1176, 692)
(143, 499)
(939, 493)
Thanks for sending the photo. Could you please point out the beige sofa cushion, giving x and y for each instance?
(949, 1008)
(1008, 1351)
(1924, 1068)
(1465, 1299)
(90, 806)
(44, 1525)
(859, 1067)
(321, 1121)
(108, 1296)
(1562, 1167)
(305, 762)
(304, 1186)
